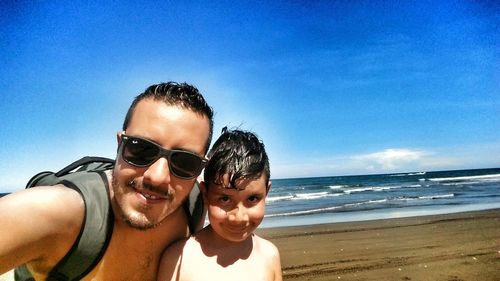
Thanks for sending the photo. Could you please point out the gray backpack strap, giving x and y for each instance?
(96, 229)
(22, 273)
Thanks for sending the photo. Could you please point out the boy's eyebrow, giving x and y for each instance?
(260, 192)
(221, 190)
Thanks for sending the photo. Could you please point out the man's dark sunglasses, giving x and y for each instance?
(140, 152)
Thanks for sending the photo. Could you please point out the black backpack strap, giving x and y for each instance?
(96, 229)
(195, 209)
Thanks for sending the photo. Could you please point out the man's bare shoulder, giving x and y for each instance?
(42, 224)
(45, 202)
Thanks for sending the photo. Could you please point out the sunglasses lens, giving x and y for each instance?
(185, 165)
(139, 152)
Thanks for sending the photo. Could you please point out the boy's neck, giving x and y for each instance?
(227, 251)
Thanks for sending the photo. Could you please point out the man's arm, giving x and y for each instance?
(38, 226)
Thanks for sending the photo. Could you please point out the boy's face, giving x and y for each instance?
(235, 213)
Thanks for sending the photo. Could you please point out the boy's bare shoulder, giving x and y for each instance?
(176, 248)
(265, 247)
(179, 248)
(175, 255)
(271, 255)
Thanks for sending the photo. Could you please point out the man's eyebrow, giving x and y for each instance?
(182, 149)
(172, 148)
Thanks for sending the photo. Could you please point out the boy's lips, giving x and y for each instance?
(236, 228)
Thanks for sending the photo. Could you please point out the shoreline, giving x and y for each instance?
(373, 214)
(453, 246)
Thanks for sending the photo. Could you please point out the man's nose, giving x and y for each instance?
(158, 173)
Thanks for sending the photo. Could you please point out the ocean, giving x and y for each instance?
(305, 201)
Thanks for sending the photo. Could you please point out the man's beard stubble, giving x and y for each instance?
(134, 221)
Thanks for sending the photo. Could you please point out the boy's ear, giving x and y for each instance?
(268, 187)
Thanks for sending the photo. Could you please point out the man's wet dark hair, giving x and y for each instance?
(240, 154)
(172, 93)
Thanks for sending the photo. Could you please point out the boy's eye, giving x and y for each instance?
(224, 199)
(253, 199)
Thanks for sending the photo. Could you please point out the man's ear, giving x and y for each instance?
(268, 187)
(119, 136)
(118, 139)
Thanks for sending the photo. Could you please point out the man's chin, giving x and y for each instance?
(139, 224)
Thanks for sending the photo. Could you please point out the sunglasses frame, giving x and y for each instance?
(162, 152)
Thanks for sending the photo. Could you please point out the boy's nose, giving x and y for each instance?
(238, 215)
(158, 173)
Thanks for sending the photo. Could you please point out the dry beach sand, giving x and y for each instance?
(461, 246)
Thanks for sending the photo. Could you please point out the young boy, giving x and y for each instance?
(236, 183)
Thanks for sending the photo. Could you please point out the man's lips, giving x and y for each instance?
(151, 193)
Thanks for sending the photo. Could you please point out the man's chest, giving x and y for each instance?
(129, 259)
(125, 267)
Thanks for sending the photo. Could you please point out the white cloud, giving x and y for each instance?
(390, 159)
(393, 160)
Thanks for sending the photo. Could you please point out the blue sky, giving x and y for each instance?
(332, 87)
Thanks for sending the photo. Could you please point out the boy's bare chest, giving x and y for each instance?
(250, 269)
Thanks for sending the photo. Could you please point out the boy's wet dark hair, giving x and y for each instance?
(240, 154)
(176, 94)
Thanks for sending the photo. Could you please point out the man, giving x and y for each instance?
(166, 133)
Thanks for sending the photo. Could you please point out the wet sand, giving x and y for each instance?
(461, 246)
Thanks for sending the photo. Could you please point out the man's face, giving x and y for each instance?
(143, 197)
(235, 213)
